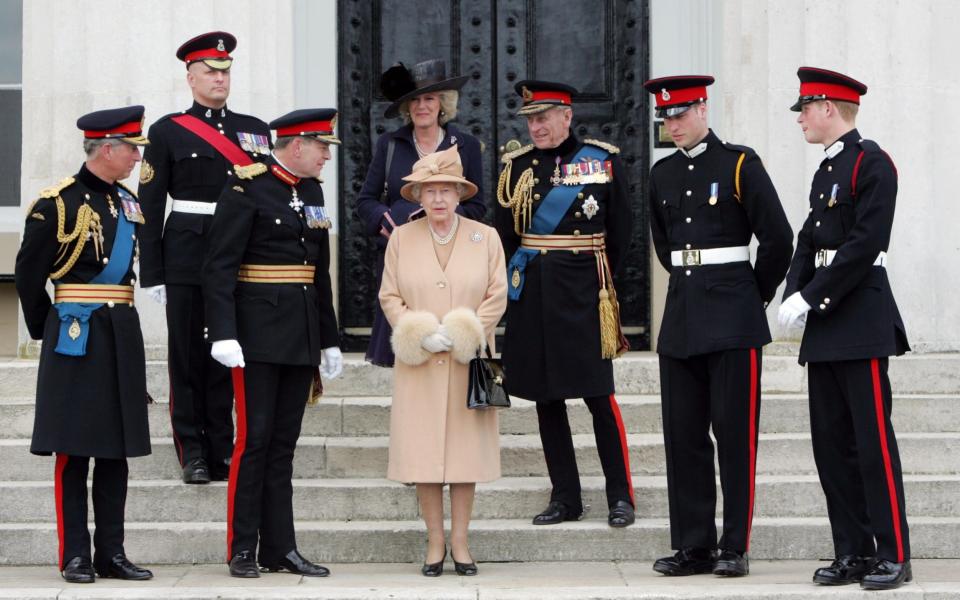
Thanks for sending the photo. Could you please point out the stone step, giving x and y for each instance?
(521, 455)
(493, 539)
(370, 416)
(607, 580)
(635, 372)
(507, 498)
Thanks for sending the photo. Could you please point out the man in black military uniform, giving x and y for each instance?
(707, 200)
(91, 384)
(269, 305)
(565, 221)
(190, 158)
(838, 287)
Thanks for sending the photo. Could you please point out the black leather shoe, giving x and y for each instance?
(887, 575)
(78, 570)
(434, 569)
(196, 471)
(243, 565)
(557, 512)
(687, 561)
(121, 568)
(731, 564)
(843, 570)
(220, 470)
(621, 515)
(295, 563)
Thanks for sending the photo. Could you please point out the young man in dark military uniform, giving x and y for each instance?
(707, 200)
(190, 158)
(91, 385)
(838, 286)
(565, 221)
(269, 305)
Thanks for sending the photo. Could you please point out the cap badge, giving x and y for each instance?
(527, 94)
(220, 45)
(664, 94)
(333, 123)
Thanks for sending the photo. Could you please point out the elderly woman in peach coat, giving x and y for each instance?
(444, 290)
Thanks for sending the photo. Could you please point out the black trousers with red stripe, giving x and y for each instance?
(719, 390)
(109, 499)
(201, 397)
(260, 491)
(561, 458)
(857, 457)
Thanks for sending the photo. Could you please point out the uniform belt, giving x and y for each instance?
(93, 293)
(575, 243)
(823, 258)
(710, 256)
(276, 273)
(194, 207)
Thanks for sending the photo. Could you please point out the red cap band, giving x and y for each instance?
(133, 127)
(833, 91)
(309, 127)
(208, 53)
(549, 95)
(681, 96)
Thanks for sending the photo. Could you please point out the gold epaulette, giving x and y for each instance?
(54, 190)
(249, 171)
(515, 153)
(608, 147)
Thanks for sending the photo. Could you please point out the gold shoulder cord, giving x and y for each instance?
(88, 221)
(521, 200)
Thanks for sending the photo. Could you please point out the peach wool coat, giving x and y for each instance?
(434, 438)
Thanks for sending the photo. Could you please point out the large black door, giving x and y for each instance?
(599, 47)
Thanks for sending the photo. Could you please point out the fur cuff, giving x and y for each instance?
(409, 333)
(466, 331)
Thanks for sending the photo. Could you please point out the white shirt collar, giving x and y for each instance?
(695, 151)
(833, 149)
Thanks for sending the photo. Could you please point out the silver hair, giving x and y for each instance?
(90, 146)
(448, 107)
(415, 190)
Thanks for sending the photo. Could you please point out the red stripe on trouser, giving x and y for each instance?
(239, 392)
(58, 498)
(623, 445)
(173, 426)
(882, 429)
(752, 442)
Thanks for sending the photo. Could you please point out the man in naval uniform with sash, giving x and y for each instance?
(707, 201)
(190, 158)
(91, 383)
(565, 221)
(269, 302)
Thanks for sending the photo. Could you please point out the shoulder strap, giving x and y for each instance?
(233, 153)
(736, 177)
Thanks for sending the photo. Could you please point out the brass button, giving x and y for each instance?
(576, 250)
(810, 210)
(817, 223)
(576, 232)
(829, 168)
(205, 336)
(302, 240)
(821, 196)
(536, 196)
(536, 180)
(111, 304)
(194, 155)
(133, 236)
(86, 196)
(577, 214)
(690, 167)
(229, 172)
(535, 162)
(712, 201)
(689, 220)
(304, 287)
(688, 246)
(277, 221)
(222, 132)
(305, 262)
(826, 300)
(687, 272)
(133, 280)
(220, 125)
(823, 307)
(689, 192)
(580, 196)
(105, 260)
(543, 250)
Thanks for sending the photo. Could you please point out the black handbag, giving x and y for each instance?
(485, 385)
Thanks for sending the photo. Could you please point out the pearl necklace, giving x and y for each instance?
(416, 145)
(445, 239)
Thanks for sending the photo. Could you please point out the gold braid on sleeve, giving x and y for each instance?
(520, 201)
(88, 221)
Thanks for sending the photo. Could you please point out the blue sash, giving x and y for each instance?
(112, 274)
(556, 204)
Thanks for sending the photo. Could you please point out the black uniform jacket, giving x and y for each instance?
(280, 323)
(552, 343)
(717, 307)
(853, 314)
(179, 163)
(96, 404)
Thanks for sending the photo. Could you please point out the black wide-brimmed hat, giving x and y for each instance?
(399, 84)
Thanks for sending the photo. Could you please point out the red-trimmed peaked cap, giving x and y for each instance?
(677, 93)
(318, 123)
(124, 124)
(212, 48)
(539, 96)
(821, 84)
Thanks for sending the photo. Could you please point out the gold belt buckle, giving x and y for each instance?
(691, 258)
(821, 258)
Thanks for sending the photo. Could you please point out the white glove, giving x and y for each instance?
(227, 353)
(332, 364)
(793, 311)
(436, 342)
(157, 293)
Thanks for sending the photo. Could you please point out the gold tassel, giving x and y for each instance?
(608, 326)
(316, 389)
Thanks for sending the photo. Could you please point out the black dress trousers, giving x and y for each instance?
(857, 457)
(722, 388)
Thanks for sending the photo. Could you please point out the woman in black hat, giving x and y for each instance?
(426, 100)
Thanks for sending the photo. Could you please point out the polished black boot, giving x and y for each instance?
(295, 563)
(843, 570)
(243, 565)
(121, 568)
(687, 561)
(78, 570)
(621, 515)
(887, 575)
(557, 512)
(731, 564)
(196, 471)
